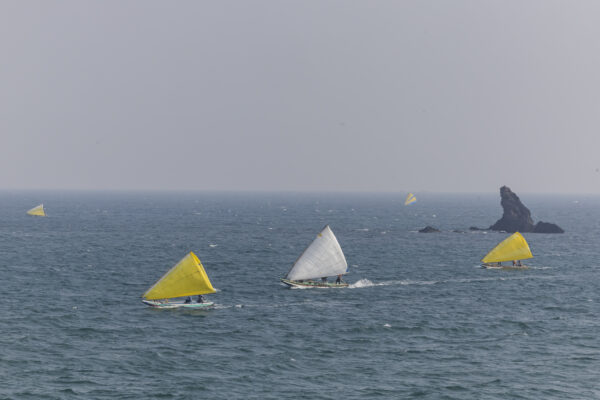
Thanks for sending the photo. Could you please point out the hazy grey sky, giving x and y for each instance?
(301, 95)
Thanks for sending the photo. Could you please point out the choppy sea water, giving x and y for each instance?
(420, 319)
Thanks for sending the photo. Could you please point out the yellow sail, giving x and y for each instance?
(410, 199)
(514, 247)
(38, 210)
(186, 278)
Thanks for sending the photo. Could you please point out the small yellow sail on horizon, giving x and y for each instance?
(514, 247)
(186, 278)
(37, 211)
(410, 199)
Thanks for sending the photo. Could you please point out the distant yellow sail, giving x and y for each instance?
(38, 210)
(186, 278)
(514, 247)
(410, 199)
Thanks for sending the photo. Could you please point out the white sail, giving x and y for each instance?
(323, 257)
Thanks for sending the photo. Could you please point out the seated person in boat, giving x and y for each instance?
(200, 299)
(188, 300)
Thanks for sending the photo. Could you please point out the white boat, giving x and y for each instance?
(38, 211)
(187, 278)
(323, 258)
(514, 248)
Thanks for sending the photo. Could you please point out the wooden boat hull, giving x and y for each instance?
(178, 304)
(313, 284)
(507, 267)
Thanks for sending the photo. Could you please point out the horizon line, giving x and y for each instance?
(281, 191)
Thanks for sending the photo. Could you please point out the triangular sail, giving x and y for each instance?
(186, 278)
(38, 211)
(323, 257)
(410, 199)
(514, 247)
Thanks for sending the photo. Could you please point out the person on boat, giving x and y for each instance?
(514, 263)
(498, 264)
(188, 300)
(324, 279)
(200, 299)
(519, 263)
(338, 281)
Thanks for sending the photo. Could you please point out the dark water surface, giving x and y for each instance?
(421, 320)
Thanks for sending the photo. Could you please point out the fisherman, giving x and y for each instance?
(338, 281)
(188, 300)
(200, 299)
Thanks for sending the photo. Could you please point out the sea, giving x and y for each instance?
(420, 320)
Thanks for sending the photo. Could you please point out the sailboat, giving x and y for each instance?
(514, 248)
(37, 211)
(321, 259)
(410, 198)
(186, 278)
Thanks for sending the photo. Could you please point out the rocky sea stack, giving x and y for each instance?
(516, 216)
(429, 229)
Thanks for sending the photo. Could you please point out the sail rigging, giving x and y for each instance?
(186, 278)
(37, 211)
(323, 257)
(410, 198)
(514, 247)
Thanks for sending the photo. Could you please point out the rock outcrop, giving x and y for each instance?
(429, 229)
(517, 217)
(547, 227)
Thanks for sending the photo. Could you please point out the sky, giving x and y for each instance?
(313, 95)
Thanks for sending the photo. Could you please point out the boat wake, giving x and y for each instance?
(367, 283)
(224, 306)
(361, 283)
(364, 283)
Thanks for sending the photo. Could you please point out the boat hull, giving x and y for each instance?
(178, 304)
(312, 284)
